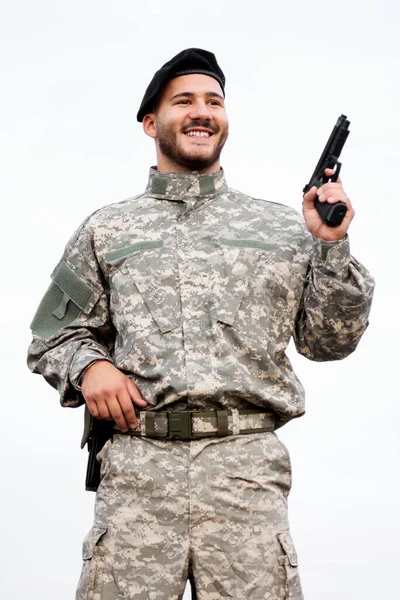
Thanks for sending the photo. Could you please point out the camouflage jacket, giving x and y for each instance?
(194, 290)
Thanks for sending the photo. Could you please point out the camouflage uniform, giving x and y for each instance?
(194, 291)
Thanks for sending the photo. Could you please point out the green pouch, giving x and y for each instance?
(66, 298)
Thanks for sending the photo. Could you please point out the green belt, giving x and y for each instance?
(192, 425)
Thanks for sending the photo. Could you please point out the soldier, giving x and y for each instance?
(169, 315)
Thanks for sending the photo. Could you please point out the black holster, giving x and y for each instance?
(95, 435)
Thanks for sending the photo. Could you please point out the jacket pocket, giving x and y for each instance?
(66, 298)
(156, 277)
(144, 303)
(262, 291)
(144, 288)
(243, 260)
(291, 589)
(93, 553)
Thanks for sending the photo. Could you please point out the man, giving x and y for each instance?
(169, 315)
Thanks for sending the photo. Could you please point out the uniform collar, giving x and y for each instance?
(183, 186)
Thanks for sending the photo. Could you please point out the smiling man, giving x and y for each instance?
(169, 315)
(190, 127)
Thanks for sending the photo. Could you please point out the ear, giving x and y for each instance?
(149, 125)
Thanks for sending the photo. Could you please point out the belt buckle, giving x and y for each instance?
(179, 425)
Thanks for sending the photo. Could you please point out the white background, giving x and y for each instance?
(72, 78)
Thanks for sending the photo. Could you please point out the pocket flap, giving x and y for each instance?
(286, 542)
(117, 256)
(91, 541)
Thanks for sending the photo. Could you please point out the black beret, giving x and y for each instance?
(187, 62)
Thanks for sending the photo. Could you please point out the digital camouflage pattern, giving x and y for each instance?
(194, 291)
(166, 508)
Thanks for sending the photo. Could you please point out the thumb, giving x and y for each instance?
(309, 199)
(134, 393)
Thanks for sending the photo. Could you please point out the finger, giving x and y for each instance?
(127, 408)
(330, 187)
(135, 394)
(334, 198)
(309, 199)
(103, 409)
(329, 190)
(92, 407)
(117, 414)
(330, 173)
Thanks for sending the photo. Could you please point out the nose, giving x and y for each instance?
(200, 110)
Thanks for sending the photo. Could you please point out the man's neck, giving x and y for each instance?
(167, 166)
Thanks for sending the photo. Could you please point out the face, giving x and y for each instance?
(189, 125)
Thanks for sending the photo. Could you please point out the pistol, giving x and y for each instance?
(331, 214)
(95, 435)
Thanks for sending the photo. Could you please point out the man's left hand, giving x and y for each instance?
(329, 192)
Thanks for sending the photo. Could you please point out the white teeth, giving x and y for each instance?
(198, 133)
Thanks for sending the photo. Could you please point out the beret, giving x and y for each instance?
(187, 62)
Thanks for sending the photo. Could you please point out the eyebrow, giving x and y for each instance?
(191, 95)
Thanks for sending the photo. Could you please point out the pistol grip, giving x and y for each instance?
(331, 214)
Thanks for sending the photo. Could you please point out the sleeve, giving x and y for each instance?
(337, 298)
(72, 328)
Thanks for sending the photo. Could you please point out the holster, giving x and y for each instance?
(95, 435)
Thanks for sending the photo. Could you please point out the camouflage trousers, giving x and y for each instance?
(213, 510)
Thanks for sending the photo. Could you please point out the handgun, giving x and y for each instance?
(331, 214)
(95, 435)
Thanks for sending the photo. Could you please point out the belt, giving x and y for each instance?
(192, 425)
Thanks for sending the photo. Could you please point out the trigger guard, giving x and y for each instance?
(334, 177)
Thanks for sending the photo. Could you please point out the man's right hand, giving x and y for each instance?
(109, 394)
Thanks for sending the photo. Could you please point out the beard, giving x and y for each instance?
(193, 161)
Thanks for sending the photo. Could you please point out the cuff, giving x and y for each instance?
(83, 359)
(331, 256)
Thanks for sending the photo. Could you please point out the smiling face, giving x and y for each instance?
(189, 125)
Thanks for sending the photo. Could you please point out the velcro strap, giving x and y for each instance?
(61, 309)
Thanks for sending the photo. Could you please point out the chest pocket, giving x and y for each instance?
(240, 259)
(260, 290)
(144, 290)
